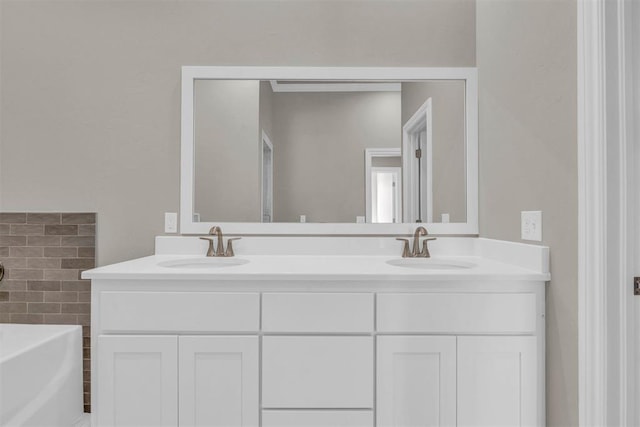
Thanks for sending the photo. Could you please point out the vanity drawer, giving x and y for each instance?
(179, 312)
(457, 313)
(317, 418)
(317, 372)
(317, 312)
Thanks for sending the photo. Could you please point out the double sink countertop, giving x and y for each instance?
(351, 258)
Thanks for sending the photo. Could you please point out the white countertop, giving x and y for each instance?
(351, 258)
(314, 267)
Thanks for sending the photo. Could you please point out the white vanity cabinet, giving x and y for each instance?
(165, 357)
(310, 354)
(170, 380)
(484, 366)
(448, 381)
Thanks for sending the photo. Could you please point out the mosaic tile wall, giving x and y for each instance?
(43, 255)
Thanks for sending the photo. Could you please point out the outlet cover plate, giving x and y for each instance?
(531, 225)
(170, 222)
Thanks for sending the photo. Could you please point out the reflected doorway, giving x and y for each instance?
(385, 195)
(383, 185)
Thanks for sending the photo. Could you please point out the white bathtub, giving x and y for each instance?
(40, 375)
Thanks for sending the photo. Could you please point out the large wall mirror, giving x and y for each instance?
(298, 150)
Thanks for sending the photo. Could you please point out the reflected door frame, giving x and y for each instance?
(266, 199)
(421, 121)
(369, 155)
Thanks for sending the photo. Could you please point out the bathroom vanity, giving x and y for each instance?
(361, 337)
(325, 330)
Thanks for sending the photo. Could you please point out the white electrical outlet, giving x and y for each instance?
(170, 222)
(531, 225)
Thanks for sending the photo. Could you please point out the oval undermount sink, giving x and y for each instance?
(431, 263)
(204, 262)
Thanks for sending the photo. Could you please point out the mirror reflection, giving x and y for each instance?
(329, 151)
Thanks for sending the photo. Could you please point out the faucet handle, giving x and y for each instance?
(210, 251)
(406, 253)
(424, 253)
(229, 251)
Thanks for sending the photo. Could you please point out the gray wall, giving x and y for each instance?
(90, 106)
(320, 140)
(448, 149)
(527, 74)
(227, 154)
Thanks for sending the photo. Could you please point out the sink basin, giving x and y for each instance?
(431, 263)
(203, 262)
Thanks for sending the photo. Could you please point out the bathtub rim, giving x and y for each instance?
(64, 329)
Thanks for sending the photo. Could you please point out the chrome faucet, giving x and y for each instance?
(417, 252)
(217, 231)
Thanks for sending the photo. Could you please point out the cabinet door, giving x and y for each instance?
(497, 381)
(219, 381)
(416, 381)
(137, 381)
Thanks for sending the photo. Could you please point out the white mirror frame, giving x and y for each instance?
(192, 73)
